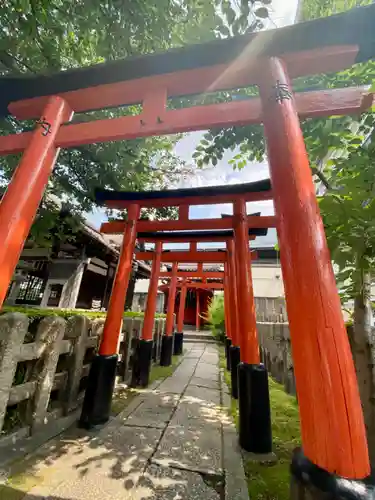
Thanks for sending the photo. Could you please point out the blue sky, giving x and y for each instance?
(283, 12)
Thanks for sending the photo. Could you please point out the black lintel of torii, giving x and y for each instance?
(106, 195)
(354, 27)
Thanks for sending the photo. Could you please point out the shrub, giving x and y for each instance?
(215, 317)
(36, 313)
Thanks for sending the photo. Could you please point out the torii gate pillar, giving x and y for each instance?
(167, 340)
(255, 434)
(144, 352)
(228, 333)
(179, 334)
(333, 431)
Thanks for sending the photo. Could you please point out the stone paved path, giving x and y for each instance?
(172, 442)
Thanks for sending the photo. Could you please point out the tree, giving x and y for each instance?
(40, 36)
(342, 156)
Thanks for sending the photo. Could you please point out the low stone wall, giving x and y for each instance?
(275, 350)
(271, 309)
(44, 367)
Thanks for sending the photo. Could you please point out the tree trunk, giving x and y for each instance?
(362, 342)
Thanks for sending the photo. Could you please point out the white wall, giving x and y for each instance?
(267, 280)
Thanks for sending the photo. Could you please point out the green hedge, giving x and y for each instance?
(37, 313)
(215, 317)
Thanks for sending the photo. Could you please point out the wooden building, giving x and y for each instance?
(77, 274)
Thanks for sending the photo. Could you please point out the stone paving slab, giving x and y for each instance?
(177, 386)
(205, 382)
(206, 371)
(106, 465)
(195, 449)
(210, 358)
(202, 395)
(164, 483)
(155, 411)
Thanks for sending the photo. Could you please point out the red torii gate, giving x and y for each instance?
(171, 338)
(331, 417)
(226, 257)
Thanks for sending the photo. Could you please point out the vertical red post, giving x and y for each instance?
(98, 396)
(152, 295)
(247, 322)
(181, 310)
(25, 191)
(234, 349)
(227, 315)
(113, 321)
(179, 335)
(197, 311)
(333, 432)
(145, 348)
(233, 293)
(167, 346)
(171, 300)
(227, 303)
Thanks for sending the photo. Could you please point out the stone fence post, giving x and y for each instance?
(13, 328)
(50, 367)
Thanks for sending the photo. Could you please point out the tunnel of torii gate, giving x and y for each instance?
(333, 433)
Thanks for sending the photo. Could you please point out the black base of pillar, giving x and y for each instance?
(166, 350)
(234, 354)
(228, 343)
(310, 482)
(142, 363)
(178, 343)
(254, 409)
(96, 408)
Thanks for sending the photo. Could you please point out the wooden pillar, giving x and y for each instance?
(333, 432)
(112, 326)
(247, 321)
(25, 191)
(227, 303)
(233, 293)
(181, 310)
(98, 396)
(152, 295)
(145, 346)
(171, 300)
(227, 316)
(197, 311)
(167, 346)
(179, 334)
(234, 349)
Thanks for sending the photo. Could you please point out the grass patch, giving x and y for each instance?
(121, 399)
(160, 372)
(271, 481)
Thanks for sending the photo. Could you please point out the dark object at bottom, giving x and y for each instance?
(98, 396)
(308, 481)
(234, 353)
(254, 409)
(166, 350)
(142, 363)
(228, 343)
(178, 343)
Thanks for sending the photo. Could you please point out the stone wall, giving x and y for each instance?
(271, 309)
(275, 350)
(44, 367)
